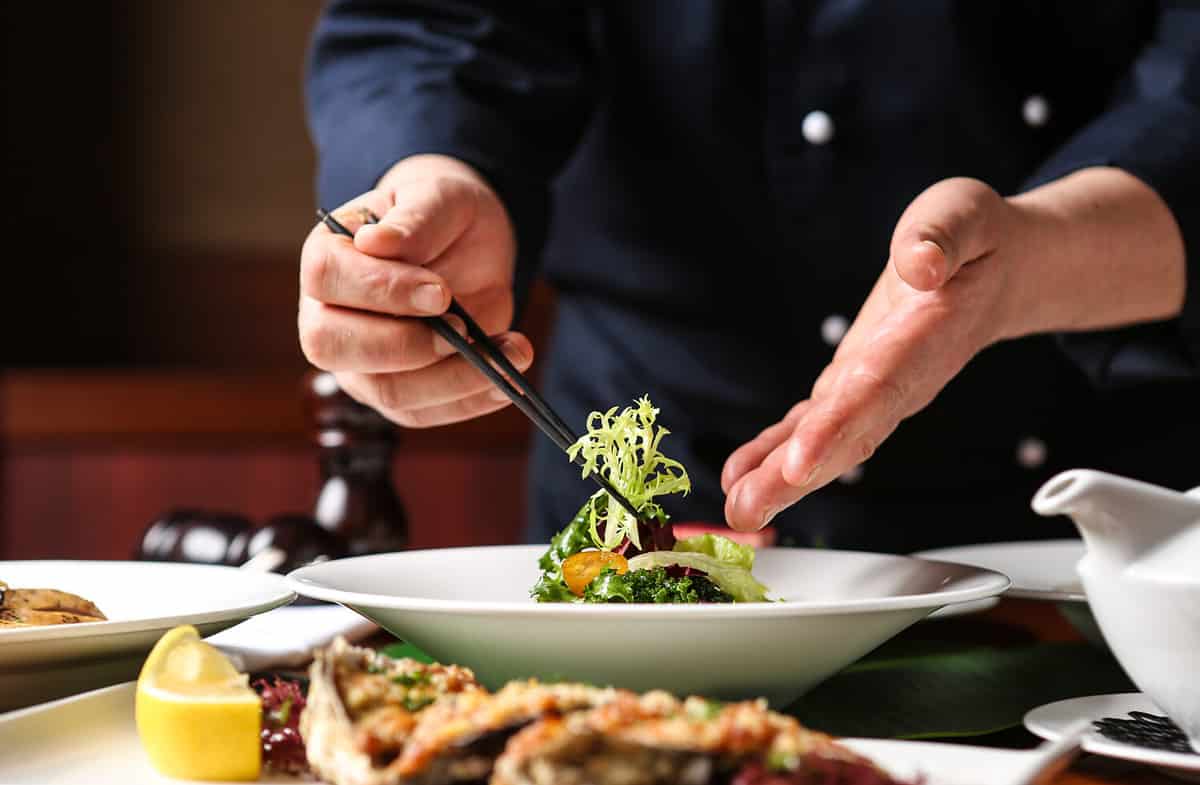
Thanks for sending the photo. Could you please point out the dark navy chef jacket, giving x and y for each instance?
(711, 186)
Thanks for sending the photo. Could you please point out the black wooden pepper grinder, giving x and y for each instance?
(357, 501)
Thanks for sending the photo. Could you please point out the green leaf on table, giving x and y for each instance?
(401, 649)
(935, 690)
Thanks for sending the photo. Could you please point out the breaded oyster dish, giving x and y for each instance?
(371, 720)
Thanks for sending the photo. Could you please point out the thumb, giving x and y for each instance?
(950, 224)
(429, 214)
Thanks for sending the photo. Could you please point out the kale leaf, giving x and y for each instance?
(551, 589)
(654, 585)
(568, 542)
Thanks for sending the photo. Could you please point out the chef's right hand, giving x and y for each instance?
(442, 231)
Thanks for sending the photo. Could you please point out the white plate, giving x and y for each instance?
(141, 600)
(1039, 569)
(1049, 721)
(471, 606)
(103, 749)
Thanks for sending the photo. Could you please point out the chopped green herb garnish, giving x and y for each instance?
(418, 702)
(782, 761)
(700, 709)
(411, 679)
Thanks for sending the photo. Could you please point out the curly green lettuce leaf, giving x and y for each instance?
(652, 586)
(551, 589)
(624, 449)
(733, 579)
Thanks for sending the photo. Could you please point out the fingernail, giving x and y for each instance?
(497, 394)
(731, 499)
(937, 266)
(442, 347)
(770, 516)
(429, 298)
(512, 350)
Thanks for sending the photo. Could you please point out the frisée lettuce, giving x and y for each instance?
(605, 554)
(623, 448)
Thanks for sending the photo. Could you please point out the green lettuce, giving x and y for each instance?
(731, 576)
(568, 542)
(720, 548)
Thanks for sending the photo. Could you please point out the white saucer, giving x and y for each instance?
(1039, 569)
(1049, 721)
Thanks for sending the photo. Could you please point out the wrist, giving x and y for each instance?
(1036, 229)
(1096, 249)
(430, 165)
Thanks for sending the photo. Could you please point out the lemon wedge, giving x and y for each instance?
(197, 717)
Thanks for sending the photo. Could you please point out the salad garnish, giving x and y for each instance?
(605, 554)
(623, 448)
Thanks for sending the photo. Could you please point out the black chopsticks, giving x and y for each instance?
(479, 353)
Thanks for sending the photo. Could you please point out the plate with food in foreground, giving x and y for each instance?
(363, 718)
(618, 600)
(90, 619)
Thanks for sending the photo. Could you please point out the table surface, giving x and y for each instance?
(1015, 622)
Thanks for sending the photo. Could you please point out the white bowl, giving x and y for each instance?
(471, 606)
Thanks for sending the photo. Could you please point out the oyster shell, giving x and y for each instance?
(362, 706)
(371, 720)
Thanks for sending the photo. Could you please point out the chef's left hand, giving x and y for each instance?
(967, 268)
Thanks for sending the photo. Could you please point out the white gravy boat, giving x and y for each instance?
(1141, 574)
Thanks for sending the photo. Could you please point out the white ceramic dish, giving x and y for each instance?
(104, 749)
(1051, 720)
(471, 606)
(1039, 569)
(141, 600)
(1142, 578)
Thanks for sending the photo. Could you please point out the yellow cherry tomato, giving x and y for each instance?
(579, 570)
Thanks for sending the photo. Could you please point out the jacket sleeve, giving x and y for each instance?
(500, 85)
(1151, 130)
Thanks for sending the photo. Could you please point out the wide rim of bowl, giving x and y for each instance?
(989, 583)
(1016, 591)
(276, 586)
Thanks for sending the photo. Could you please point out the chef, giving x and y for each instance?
(901, 261)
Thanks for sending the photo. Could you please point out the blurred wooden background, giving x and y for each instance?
(160, 184)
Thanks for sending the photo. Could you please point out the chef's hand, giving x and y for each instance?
(442, 231)
(967, 268)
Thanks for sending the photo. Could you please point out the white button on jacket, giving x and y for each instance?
(1031, 453)
(817, 127)
(1036, 111)
(833, 329)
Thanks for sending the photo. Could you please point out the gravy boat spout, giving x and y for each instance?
(1120, 519)
(1141, 574)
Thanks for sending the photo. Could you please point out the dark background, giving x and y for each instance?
(159, 186)
(159, 181)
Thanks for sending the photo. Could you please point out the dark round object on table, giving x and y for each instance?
(192, 535)
(299, 538)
